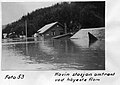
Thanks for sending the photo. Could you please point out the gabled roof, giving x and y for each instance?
(83, 33)
(46, 27)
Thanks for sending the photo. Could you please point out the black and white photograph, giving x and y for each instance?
(53, 36)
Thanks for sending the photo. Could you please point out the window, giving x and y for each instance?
(57, 25)
(53, 33)
(47, 34)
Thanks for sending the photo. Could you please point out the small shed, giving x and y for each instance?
(36, 35)
(51, 30)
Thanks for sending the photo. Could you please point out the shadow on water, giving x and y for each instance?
(59, 54)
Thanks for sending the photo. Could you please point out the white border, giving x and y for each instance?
(112, 54)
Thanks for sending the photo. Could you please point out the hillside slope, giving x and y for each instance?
(74, 14)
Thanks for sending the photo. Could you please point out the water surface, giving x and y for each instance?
(50, 54)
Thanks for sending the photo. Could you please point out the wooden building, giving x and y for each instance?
(51, 30)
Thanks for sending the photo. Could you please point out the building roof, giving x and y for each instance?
(83, 33)
(46, 27)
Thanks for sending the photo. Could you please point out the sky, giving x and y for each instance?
(12, 11)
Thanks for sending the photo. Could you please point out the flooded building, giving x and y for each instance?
(4, 35)
(51, 30)
(36, 35)
(86, 37)
(85, 33)
(13, 35)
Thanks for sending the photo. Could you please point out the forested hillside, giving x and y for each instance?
(74, 14)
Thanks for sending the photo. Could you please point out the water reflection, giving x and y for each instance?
(50, 54)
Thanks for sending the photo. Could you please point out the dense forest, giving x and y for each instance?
(75, 15)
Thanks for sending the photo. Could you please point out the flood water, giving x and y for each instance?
(50, 54)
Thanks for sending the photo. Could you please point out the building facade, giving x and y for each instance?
(51, 30)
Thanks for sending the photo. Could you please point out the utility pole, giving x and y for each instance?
(65, 28)
(26, 28)
(26, 36)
